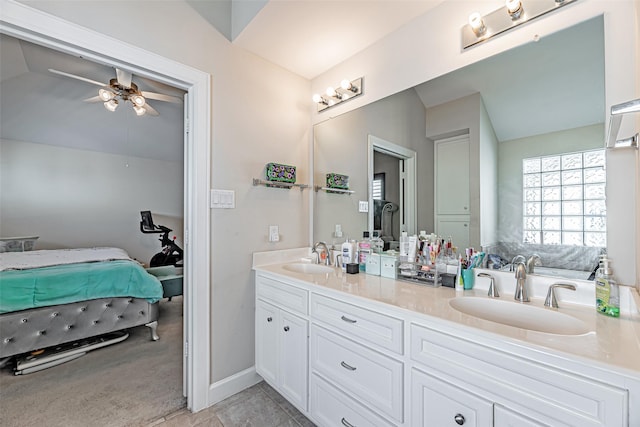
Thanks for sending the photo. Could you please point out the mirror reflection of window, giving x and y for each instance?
(378, 186)
(564, 199)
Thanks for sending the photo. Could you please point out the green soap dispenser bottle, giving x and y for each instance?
(607, 292)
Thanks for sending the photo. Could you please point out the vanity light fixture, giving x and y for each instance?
(348, 89)
(513, 13)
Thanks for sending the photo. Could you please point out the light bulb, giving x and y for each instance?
(139, 110)
(331, 92)
(105, 95)
(317, 98)
(477, 24)
(138, 100)
(111, 105)
(514, 8)
(346, 84)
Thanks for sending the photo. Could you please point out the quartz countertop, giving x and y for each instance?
(612, 342)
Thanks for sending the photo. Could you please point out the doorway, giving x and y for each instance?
(23, 22)
(401, 175)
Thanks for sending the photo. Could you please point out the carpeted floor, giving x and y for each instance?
(127, 384)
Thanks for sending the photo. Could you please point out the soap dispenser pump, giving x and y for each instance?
(607, 292)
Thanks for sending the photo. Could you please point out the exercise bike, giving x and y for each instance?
(171, 253)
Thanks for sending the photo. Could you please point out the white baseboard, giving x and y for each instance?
(233, 384)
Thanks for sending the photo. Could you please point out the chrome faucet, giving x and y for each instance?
(324, 247)
(516, 259)
(521, 280)
(533, 261)
(493, 291)
(551, 300)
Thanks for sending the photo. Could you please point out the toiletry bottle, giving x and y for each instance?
(364, 249)
(607, 292)
(404, 247)
(347, 251)
(377, 244)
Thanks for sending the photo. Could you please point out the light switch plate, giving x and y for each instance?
(363, 206)
(338, 231)
(274, 233)
(223, 199)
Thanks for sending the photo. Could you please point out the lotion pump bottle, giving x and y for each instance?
(607, 292)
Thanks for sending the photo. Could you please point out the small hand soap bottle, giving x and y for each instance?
(607, 292)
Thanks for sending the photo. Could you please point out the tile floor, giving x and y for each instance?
(257, 406)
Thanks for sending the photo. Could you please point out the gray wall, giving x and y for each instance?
(246, 133)
(77, 198)
(341, 147)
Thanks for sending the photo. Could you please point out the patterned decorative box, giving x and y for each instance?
(335, 180)
(281, 173)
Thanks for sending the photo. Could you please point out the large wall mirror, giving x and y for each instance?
(509, 155)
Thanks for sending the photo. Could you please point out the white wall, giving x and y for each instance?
(430, 46)
(77, 198)
(247, 133)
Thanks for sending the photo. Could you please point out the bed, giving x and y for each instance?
(51, 297)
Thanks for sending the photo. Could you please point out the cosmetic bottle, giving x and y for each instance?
(364, 249)
(607, 292)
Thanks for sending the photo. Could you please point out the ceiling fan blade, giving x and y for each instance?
(161, 97)
(123, 77)
(73, 76)
(93, 99)
(150, 110)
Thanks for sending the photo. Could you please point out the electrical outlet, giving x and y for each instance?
(274, 233)
(363, 206)
(338, 231)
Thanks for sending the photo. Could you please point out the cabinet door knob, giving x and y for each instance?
(286, 329)
(459, 419)
(346, 319)
(269, 319)
(346, 423)
(347, 366)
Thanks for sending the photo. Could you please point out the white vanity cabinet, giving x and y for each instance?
(282, 333)
(518, 391)
(344, 360)
(352, 349)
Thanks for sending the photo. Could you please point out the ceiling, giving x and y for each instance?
(42, 107)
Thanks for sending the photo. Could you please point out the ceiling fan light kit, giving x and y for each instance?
(123, 89)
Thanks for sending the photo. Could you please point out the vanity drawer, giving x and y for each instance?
(331, 407)
(364, 374)
(504, 377)
(283, 295)
(374, 328)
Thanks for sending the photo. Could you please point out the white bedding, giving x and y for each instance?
(48, 258)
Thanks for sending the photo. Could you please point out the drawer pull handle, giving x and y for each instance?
(346, 366)
(459, 419)
(346, 423)
(346, 319)
(269, 319)
(286, 329)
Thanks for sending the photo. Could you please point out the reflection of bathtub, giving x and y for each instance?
(558, 272)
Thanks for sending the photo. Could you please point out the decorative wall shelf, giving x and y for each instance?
(333, 190)
(276, 184)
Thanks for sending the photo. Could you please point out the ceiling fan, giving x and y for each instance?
(120, 90)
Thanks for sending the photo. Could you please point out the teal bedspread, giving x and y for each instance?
(63, 284)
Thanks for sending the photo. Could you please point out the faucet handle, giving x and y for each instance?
(493, 290)
(551, 300)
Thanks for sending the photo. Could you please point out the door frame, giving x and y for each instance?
(26, 23)
(409, 201)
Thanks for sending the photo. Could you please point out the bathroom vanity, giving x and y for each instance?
(362, 350)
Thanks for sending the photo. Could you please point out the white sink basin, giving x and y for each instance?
(520, 315)
(307, 268)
